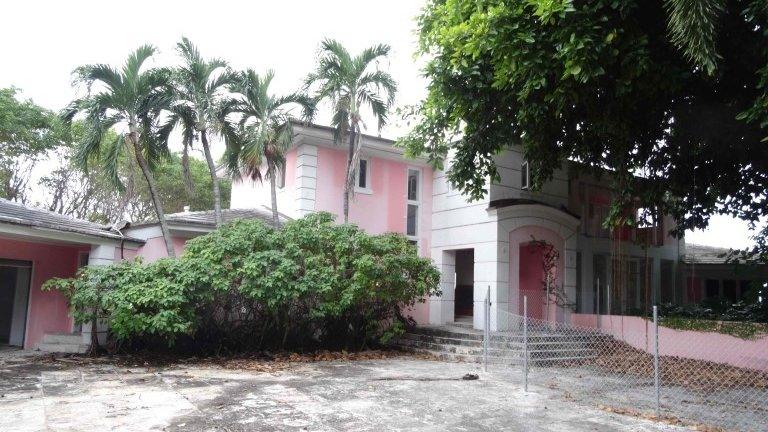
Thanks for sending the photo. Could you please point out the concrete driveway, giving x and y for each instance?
(372, 395)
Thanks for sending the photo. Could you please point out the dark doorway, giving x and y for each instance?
(14, 296)
(465, 283)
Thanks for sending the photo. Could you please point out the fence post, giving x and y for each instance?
(525, 342)
(486, 328)
(656, 382)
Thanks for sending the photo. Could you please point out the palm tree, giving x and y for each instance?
(266, 131)
(200, 86)
(129, 100)
(350, 84)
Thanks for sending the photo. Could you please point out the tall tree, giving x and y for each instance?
(130, 100)
(90, 195)
(201, 95)
(266, 131)
(350, 84)
(28, 133)
(657, 88)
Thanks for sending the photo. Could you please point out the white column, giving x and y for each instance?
(306, 179)
(441, 308)
(99, 255)
(491, 273)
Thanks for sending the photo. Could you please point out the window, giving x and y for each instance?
(413, 219)
(362, 174)
(413, 185)
(82, 259)
(525, 176)
(413, 193)
(712, 288)
(363, 177)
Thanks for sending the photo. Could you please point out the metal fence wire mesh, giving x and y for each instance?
(620, 371)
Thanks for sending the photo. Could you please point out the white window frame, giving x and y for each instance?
(525, 175)
(367, 189)
(416, 202)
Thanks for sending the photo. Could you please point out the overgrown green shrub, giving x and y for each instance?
(246, 285)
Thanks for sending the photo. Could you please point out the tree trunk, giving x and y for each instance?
(214, 179)
(349, 181)
(95, 347)
(153, 194)
(273, 195)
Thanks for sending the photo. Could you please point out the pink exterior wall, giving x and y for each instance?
(385, 209)
(290, 169)
(708, 346)
(47, 311)
(154, 249)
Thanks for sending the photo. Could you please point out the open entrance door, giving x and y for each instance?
(14, 297)
(465, 284)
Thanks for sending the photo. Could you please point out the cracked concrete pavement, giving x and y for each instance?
(373, 395)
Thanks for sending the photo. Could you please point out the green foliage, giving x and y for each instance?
(746, 318)
(601, 83)
(351, 83)
(265, 132)
(749, 309)
(133, 100)
(247, 285)
(27, 133)
(693, 25)
(742, 330)
(175, 194)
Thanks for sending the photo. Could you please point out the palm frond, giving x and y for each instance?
(136, 59)
(379, 108)
(369, 55)
(112, 160)
(693, 25)
(380, 81)
(105, 74)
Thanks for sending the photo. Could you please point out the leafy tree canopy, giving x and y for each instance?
(628, 86)
(26, 128)
(27, 133)
(310, 284)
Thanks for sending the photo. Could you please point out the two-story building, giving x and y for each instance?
(492, 246)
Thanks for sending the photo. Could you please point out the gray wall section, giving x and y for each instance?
(7, 292)
(14, 293)
(19, 321)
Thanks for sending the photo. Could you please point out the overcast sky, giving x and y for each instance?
(43, 41)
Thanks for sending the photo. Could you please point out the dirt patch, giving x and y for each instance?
(666, 419)
(258, 362)
(619, 357)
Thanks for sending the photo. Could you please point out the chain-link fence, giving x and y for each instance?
(632, 369)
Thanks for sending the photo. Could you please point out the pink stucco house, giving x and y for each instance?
(484, 247)
(37, 245)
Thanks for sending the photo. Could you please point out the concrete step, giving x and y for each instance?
(63, 348)
(463, 350)
(465, 358)
(466, 344)
(533, 345)
(63, 338)
(455, 332)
